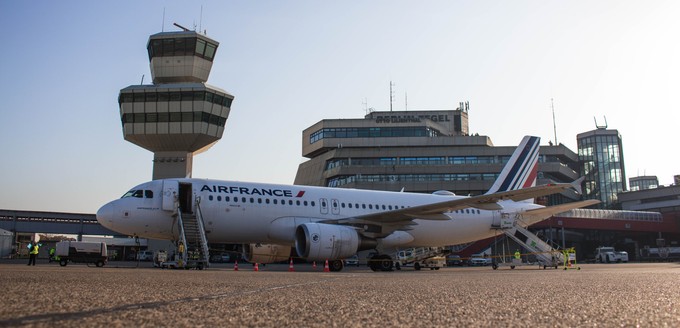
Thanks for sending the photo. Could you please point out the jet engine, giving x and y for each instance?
(320, 241)
(265, 253)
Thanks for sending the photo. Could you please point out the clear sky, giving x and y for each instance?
(292, 63)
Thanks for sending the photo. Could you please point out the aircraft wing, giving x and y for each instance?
(436, 211)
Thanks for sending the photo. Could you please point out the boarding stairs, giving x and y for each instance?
(546, 254)
(192, 236)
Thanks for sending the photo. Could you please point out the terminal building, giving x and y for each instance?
(417, 151)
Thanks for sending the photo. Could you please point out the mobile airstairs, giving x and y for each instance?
(192, 246)
(546, 255)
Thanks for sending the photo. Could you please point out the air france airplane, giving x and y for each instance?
(323, 223)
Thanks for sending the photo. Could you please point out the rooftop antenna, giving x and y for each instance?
(182, 27)
(142, 82)
(405, 100)
(364, 103)
(163, 23)
(391, 95)
(601, 126)
(200, 21)
(552, 104)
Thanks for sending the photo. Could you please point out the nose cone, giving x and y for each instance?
(105, 216)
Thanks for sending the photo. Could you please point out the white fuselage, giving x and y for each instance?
(240, 212)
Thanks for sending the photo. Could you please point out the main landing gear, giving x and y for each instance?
(380, 263)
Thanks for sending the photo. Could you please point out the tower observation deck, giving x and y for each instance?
(179, 115)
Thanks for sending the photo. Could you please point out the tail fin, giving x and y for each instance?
(522, 168)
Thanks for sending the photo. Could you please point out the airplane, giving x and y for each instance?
(324, 223)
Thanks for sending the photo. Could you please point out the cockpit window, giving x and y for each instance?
(148, 194)
(134, 193)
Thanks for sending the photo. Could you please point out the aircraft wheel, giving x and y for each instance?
(386, 263)
(335, 265)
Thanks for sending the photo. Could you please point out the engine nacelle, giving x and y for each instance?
(320, 241)
(265, 253)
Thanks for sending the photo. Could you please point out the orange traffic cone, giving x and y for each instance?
(235, 265)
(314, 265)
(290, 266)
(257, 268)
(326, 268)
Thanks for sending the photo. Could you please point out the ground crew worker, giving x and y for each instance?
(518, 256)
(33, 253)
(52, 250)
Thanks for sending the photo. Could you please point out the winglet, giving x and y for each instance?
(576, 184)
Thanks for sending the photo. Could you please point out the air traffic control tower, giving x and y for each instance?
(179, 115)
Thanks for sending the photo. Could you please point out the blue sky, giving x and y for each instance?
(292, 63)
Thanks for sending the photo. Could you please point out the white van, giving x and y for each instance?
(144, 256)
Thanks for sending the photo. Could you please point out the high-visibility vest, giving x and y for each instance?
(517, 255)
(35, 249)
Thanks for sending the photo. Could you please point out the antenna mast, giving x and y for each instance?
(405, 100)
(391, 95)
(554, 124)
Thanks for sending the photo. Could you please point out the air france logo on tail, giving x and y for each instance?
(522, 168)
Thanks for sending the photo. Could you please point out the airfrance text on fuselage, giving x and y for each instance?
(251, 191)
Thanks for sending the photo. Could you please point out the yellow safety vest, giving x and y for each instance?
(35, 249)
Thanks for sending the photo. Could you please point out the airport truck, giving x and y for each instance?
(609, 255)
(81, 252)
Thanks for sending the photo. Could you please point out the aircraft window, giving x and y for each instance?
(266, 200)
(148, 194)
(323, 204)
(383, 207)
(210, 197)
(390, 207)
(259, 200)
(226, 198)
(313, 203)
(276, 201)
(342, 205)
(219, 198)
(235, 199)
(363, 206)
(356, 205)
(297, 202)
(467, 211)
(252, 200)
(370, 206)
(305, 203)
(377, 206)
(138, 194)
(283, 202)
(243, 199)
(290, 202)
(348, 204)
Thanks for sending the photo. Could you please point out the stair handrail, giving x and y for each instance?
(201, 229)
(182, 237)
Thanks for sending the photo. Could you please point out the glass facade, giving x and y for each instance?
(377, 132)
(601, 159)
(186, 46)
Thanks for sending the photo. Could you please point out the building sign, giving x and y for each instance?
(411, 118)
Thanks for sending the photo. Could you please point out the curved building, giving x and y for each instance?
(179, 115)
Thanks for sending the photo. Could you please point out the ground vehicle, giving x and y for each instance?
(144, 256)
(352, 260)
(453, 260)
(609, 255)
(434, 263)
(479, 259)
(81, 252)
(220, 258)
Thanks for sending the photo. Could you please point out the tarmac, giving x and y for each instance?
(606, 295)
